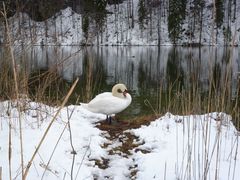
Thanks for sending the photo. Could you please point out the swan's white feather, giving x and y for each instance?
(106, 103)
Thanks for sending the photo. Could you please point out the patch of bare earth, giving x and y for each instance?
(128, 142)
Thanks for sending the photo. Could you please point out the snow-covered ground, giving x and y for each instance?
(122, 28)
(171, 147)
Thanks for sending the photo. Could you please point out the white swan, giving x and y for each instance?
(110, 103)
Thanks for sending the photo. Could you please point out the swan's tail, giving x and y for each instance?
(85, 106)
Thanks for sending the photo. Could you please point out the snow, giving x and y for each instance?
(187, 147)
(171, 147)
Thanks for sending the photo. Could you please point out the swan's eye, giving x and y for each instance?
(119, 91)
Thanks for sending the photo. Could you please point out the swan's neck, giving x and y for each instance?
(128, 98)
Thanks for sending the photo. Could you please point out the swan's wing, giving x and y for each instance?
(94, 104)
(107, 105)
(100, 97)
(104, 95)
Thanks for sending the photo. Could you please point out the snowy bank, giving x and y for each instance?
(171, 147)
(122, 26)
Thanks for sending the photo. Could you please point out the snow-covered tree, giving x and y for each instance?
(175, 18)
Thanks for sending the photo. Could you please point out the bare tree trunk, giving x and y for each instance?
(73, 20)
(159, 24)
(132, 15)
(97, 33)
(106, 27)
(128, 15)
(61, 29)
(19, 18)
(30, 30)
(201, 23)
(101, 33)
(46, 31)
(150, 18)
(213, 23)
(116, 12)
(34, 31)
(235, 9)
(229, 17)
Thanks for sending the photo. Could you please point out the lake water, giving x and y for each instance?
(146, 71)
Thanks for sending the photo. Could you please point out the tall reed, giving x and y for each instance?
(187, 96)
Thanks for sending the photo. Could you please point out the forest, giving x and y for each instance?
(195, 22)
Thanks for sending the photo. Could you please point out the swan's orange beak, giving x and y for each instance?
(125, 92)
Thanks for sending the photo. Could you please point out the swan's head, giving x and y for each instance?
(119, 90)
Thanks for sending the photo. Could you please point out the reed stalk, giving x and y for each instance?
(10, 150)
(9, 42)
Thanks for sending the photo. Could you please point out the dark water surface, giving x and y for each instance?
(149, 72)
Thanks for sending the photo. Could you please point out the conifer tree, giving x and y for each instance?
(176, 16)
(85, 26)
(142, 13)
(219, 12)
